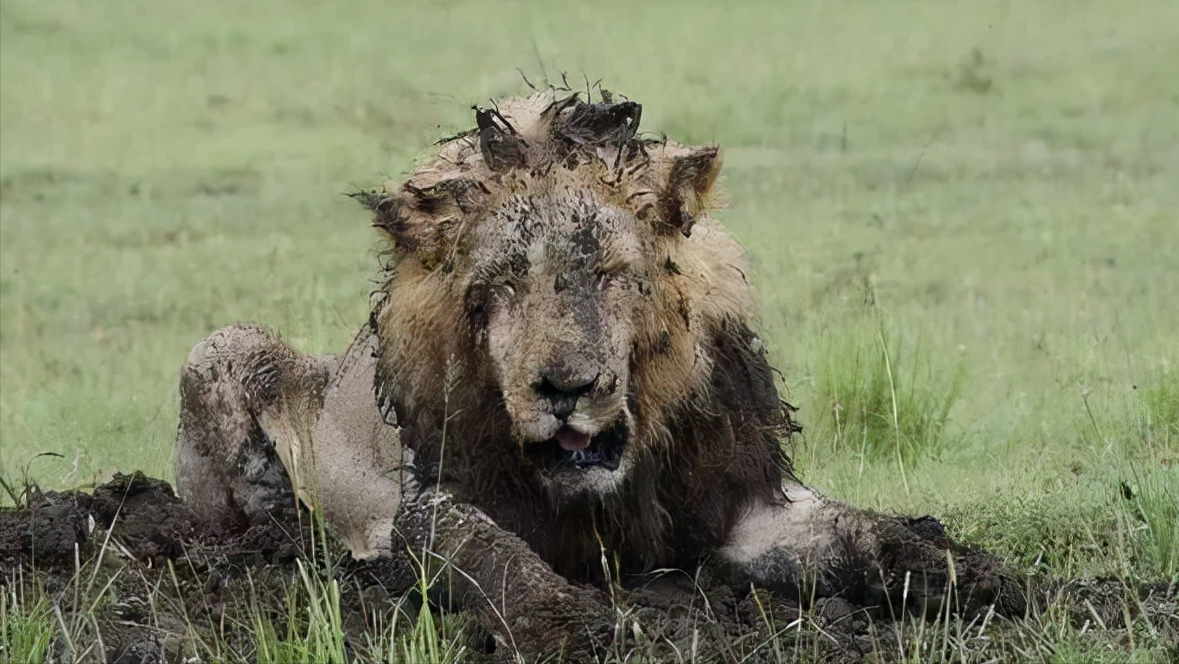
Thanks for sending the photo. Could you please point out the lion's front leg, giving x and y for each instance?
(227, 467)
(517, 597)
(258, 418)
(811, 547)
(790, 545)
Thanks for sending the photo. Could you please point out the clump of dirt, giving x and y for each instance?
(159, 582)
(137, 575)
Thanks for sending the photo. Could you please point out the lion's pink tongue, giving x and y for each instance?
(572, 440)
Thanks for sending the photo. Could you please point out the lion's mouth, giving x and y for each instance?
(564, 450)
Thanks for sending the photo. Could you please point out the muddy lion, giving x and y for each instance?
(558, 386)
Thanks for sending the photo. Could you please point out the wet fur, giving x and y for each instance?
(707, 421)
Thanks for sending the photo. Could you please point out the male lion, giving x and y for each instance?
(558, 371)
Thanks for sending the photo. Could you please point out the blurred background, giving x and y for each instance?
(964, 215)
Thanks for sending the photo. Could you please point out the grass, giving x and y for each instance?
(427, 639)
(881, 399)
(311, 629)
(26, 623)
(314, 630)
(997, 176)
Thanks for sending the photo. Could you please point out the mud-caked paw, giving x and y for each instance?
(917, 569)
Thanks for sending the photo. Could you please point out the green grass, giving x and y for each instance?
(881, 399)
(427, 639)
(26, 623)
(313, 630)
(981, 192)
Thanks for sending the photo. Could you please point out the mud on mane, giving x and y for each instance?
(707, 418)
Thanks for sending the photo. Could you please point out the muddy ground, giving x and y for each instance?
(139, 580)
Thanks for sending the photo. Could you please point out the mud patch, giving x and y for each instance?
(138, 579)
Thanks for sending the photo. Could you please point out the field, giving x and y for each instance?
(964, 218)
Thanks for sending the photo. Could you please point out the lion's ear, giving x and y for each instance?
(391, 214)
(423, 220)
(689, 184)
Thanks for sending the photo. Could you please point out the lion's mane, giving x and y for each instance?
(708, 422)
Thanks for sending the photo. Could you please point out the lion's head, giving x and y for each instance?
(555, 282)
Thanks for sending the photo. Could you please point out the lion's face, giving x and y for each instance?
(556, 283)
(571, 269)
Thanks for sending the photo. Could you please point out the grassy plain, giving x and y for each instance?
(964, 217)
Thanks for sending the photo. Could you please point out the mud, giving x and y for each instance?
(139, 579)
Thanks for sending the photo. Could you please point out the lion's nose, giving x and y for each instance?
(562, 388)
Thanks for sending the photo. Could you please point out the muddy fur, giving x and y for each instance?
(515, 596)
(699, 403)
(261, 423)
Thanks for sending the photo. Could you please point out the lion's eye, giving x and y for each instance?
(506, 289)
(605, 280)
(610, 279)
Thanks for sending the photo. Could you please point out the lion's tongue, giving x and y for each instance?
(572, 440)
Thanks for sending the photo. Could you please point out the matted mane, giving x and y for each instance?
(707, 415)
(527, 138)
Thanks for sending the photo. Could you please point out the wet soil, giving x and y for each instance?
(136, 575)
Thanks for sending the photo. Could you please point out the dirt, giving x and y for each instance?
(166, 588)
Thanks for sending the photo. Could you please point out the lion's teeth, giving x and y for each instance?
(585, 457)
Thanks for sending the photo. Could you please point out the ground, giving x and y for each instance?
(968, 206)
(162, 587)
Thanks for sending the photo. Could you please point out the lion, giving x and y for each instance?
(559, 369)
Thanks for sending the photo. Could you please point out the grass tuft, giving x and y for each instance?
(1154, 517)
(1068, 535)
(413, 631)
(26, 623)
(1161, 404)
(313, 629)
(881, 400)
